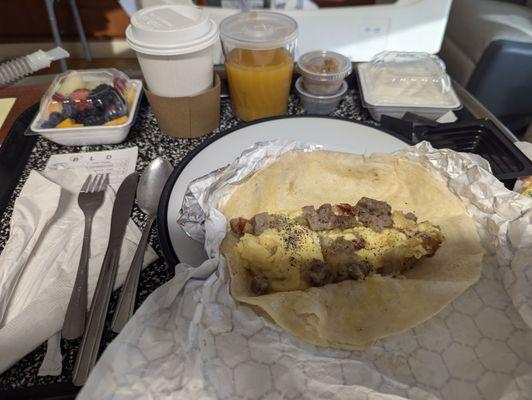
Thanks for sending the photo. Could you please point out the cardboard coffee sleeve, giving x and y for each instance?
(188, 117)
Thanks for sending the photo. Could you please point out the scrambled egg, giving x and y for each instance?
(282, 253)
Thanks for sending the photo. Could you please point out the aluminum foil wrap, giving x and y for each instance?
(204, 193)
(191, 340)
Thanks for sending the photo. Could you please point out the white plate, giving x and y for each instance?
(333, 134)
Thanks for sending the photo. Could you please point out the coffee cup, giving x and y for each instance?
(174, 46)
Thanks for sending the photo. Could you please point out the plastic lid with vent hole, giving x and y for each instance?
(258, 30)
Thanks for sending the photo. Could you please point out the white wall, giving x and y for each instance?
(361, 32)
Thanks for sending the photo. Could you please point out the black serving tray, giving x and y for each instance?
(480, 137)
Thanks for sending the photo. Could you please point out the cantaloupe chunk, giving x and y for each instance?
(68, 123)
(117, 121)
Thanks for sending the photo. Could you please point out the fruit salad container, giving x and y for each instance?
(88, 107)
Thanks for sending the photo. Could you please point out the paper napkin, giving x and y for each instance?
(39, 262)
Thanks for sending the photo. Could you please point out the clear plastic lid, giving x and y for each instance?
(258, 30)
(87, 98)
(324, 66)
(399, 79)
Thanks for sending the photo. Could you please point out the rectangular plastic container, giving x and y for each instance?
(396, 83)
(431, 113)
(87, 135)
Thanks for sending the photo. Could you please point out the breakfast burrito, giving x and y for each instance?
(341, 250)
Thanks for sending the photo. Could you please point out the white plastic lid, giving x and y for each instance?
(258, 30)
(406, 79)
(171, 30)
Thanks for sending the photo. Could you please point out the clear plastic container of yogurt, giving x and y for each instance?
(323, 71)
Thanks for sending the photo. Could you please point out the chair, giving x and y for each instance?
(55, 30)
(488, 49)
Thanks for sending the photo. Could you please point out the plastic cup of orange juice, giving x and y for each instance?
(259, 51)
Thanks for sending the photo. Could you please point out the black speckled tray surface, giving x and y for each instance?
(151, 142)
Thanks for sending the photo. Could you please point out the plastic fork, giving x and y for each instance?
(90, 198)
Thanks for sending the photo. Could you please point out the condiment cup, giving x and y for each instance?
(323, 71)
(322, 105)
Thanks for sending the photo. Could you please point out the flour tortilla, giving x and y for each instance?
(351, 315)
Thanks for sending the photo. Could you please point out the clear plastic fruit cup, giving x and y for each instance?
(259, 51)
(88, 107)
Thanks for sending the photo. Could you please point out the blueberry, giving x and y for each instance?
(69, 109)
(53, 120)
(47, 125)
(55, 117)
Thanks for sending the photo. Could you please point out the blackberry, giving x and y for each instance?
(92, 116)
(109, 100)
(105, 93)
(53, 120)
(93, 120)
(102, 87)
